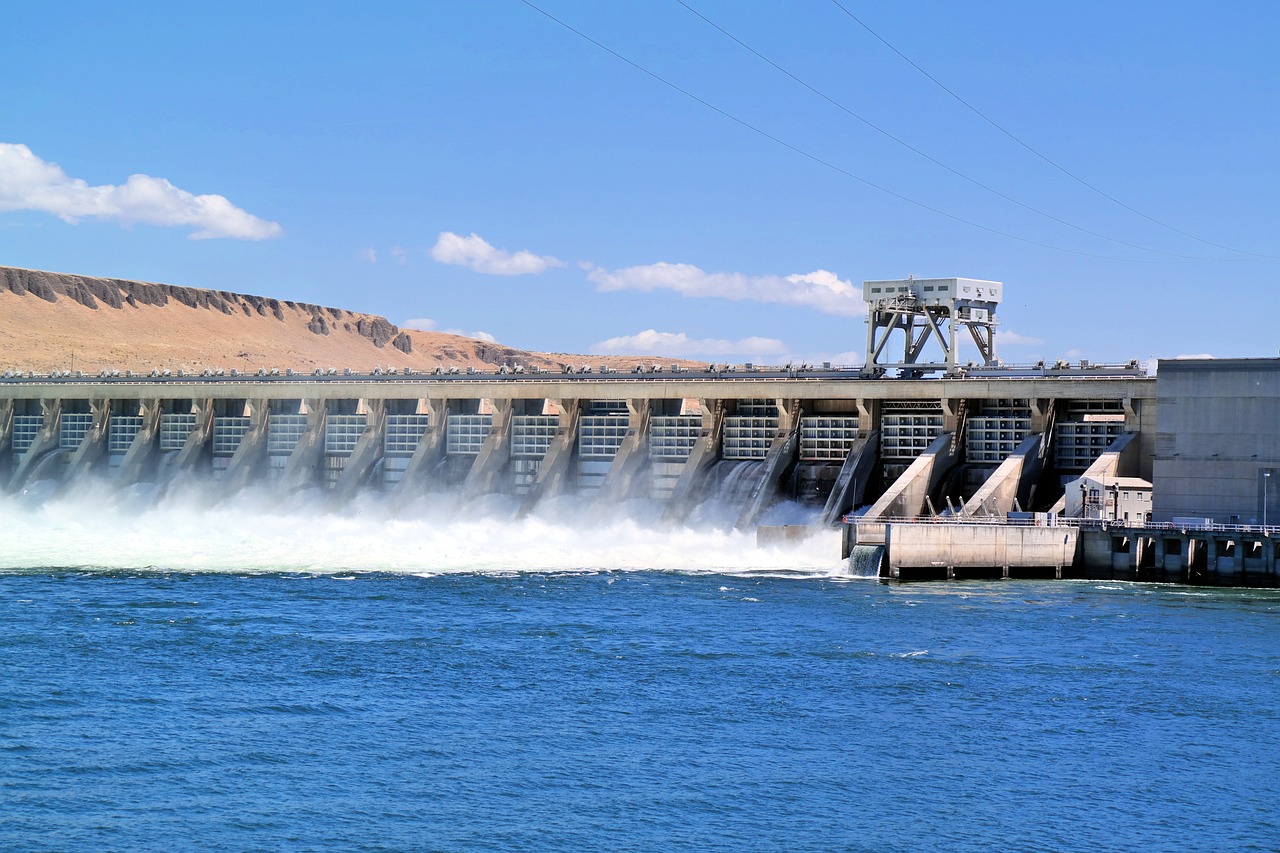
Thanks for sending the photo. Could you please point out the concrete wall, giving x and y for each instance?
(978, 546)
(1218, 435)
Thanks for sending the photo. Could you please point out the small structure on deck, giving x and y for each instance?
(1125, 499)
(925, 309)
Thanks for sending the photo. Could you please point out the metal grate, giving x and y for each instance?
(748, 437)
(403, 434)
(121, 432)
(600, 436)
(341, 432)
(531, 435)
(228, 432)
(466, 434)
(673, 436)
(174, 429)
(827, 439)
(73, 428)
(284, 432)
(25, 430)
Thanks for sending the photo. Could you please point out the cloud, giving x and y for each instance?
(29, 183)
(425, 324)
(680, 345)
(475, 252)
(400, 254)
(369, 256)
(820, 289)
(1012, 338)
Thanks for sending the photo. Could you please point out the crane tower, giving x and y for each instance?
(926, 309)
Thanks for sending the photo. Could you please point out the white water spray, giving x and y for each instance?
(97, 526)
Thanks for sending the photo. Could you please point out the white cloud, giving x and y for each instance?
(369, 256)
(1012, 338)
(400, 254)
(29, 183)
(475, 252)
(425, 324)
(820, 289)
(680, 345)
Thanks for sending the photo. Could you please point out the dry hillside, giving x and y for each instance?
(56, 321)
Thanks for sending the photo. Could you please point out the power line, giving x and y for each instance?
(980, 114)
(878, 129)
(815, 158)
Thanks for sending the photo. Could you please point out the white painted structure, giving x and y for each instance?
(1109, 498)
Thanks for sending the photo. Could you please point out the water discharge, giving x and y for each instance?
(98, 526)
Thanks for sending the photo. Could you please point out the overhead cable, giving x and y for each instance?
(980, 114)
(878, 129)
(819, 160)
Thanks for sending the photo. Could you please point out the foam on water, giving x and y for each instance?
(99, 527)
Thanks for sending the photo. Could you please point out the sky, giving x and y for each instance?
(711, 179)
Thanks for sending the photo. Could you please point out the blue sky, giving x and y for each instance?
(480, 167)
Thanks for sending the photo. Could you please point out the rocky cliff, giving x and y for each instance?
(114, 293)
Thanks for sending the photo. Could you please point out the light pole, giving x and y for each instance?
(1266, 477)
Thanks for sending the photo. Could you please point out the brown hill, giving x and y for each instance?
(57, 321)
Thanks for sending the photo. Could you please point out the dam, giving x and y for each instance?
(930, 466)
(827, 438)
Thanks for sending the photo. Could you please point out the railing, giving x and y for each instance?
(501, 374)
(1080, 523)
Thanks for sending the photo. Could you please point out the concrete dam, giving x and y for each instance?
(833, 440)
(930, 468)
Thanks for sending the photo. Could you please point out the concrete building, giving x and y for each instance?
(1126, 500)
(1217, 440)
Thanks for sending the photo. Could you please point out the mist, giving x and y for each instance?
(93, 525)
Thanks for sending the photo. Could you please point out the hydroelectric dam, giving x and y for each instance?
(930, 468)
(826, 438)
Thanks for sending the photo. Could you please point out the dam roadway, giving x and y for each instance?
(829, 438)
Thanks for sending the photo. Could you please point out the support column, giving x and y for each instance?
(367, 452)
(557, 464)
(486, 469)
(46, 440)
(851, 483)
(632, 455)
(704, 453)
(141, 453)
(251, 455)
(304, 465)
(996, 496)
(906, 497)
(193, 451)
(429, 452)
(94, 443)
(782, 455)
(6, 440)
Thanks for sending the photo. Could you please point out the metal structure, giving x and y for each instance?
(925, 309)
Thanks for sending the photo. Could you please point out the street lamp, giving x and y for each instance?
(1266, 477)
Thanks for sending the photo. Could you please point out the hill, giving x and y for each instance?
(59, 321)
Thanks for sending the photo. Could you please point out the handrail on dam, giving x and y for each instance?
(1080, 523)
(673, 373)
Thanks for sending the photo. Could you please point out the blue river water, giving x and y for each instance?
(631, 710)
